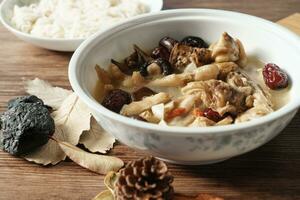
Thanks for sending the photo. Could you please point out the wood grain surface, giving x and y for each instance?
(270, 172)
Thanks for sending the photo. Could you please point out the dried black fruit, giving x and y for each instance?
(116, 99)
(141, 93)
(160, 52)
(168, 43)
(26, 125)
(194, 41)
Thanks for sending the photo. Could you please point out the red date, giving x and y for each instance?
(275, 78)
(212, 115)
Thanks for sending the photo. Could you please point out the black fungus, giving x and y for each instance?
(168, 43)
(26, 125)
(116, 99)
(194, 41)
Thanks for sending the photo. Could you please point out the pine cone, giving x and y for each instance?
(145, 179)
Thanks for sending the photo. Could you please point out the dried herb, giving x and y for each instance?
(50, 153)
(105, 195)
(26, 125)
(52, 96)
(94, 162)
(96, 139)
(73, 119)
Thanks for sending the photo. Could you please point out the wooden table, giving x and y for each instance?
(270, 172)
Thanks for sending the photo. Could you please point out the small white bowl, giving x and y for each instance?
(6, 11)
(269, 42)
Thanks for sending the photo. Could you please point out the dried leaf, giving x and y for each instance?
(97, 139)
(50, 153)
(94, 162)
(105, 195)
(73, 117)
(52, 96)
(110, 181)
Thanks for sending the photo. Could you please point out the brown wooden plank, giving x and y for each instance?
(292, 22)
(270, 172)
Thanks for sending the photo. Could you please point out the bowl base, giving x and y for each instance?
(208, 162)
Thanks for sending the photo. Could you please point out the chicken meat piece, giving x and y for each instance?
(218, 95)
(134, 81)
(181, 120)
(202, 122)
(226, 49)
(240, 82)
(182, 55)
(137, 107)
(227, 120)
(262, 105)
(225, 68)
(243, 59)
(206, 72)
(173, 80)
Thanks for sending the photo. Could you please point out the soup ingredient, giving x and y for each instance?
(212, 115)
(26, 125)
(168, 43)
(197, 85)
(146, 178)
(141, 93)
(275, 78)
(160, 52)
(227, 49)
(194, 42)
(97, 163)
(137, 60)
(116, 99)
(137, 107)
(73, 19)
(217, 95)
(156, 67)
(175, 113)
(182, 55)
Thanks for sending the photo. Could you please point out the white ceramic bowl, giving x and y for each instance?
(6, 11)
(267, 41)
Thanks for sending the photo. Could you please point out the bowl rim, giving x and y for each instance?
(14, 30)
(94, 105)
